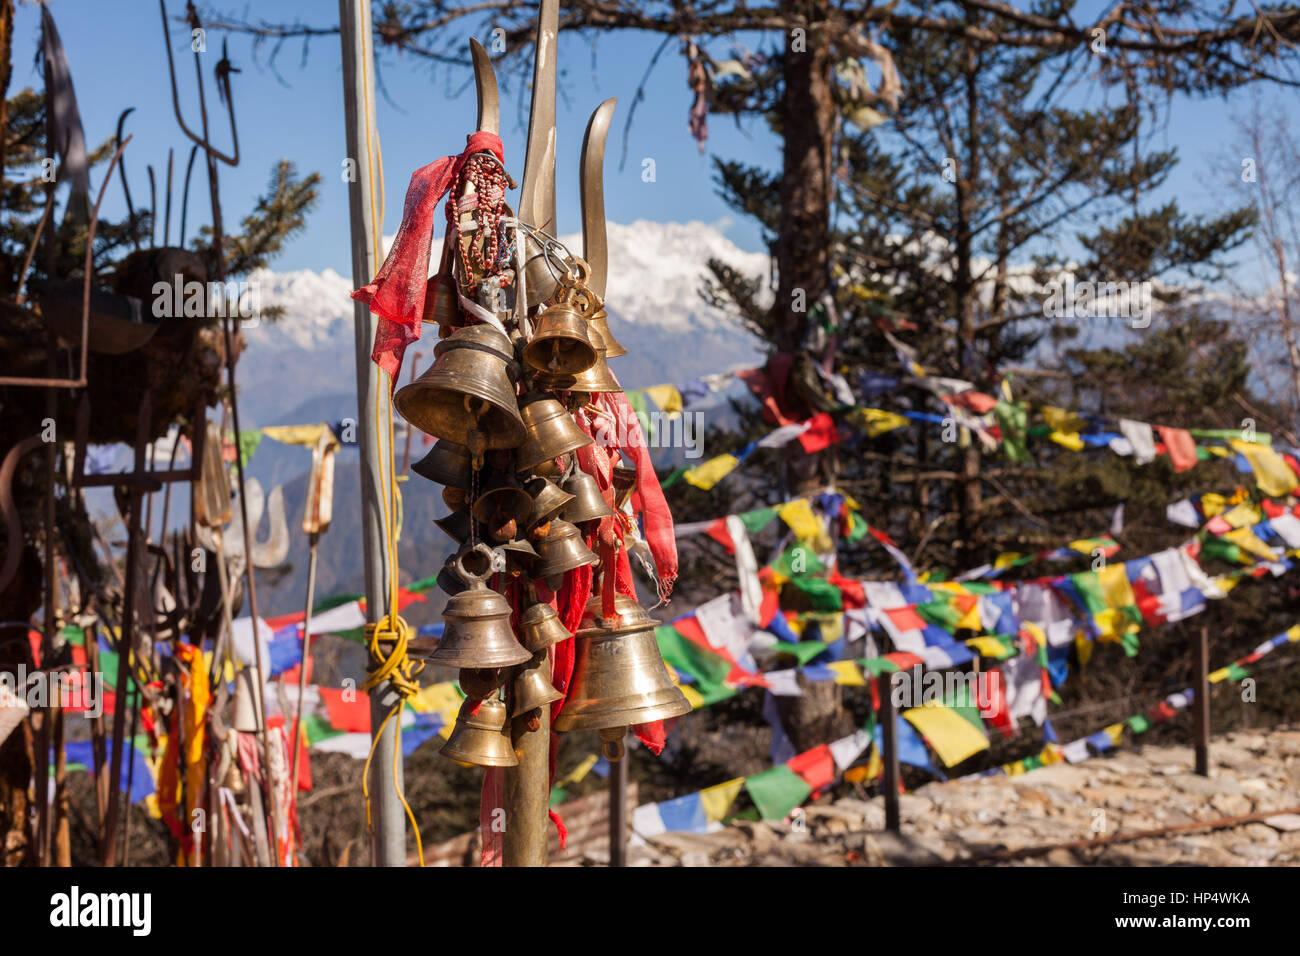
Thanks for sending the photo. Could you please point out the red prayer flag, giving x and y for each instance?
(1180, 445)
(351, 716)
(906, 618)
(821, 433)
(816, 766)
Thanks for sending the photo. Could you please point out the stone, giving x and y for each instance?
(1286, 822)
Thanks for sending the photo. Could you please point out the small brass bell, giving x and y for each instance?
(624, 483)
(548, 500)
(477, 631)
(449, 580)
(481, 738)
(520, 555)
(440, 302)
(447, 463)
(469, 388)
(541, 627)
(550, 432)
(504, 499)
(552, 468)
(619, 677)
(532, 689)
(588, 503)
(600, 325)
(456, 525)
(560, 345)
(561, 549)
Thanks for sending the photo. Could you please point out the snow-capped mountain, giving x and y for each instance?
(656, 270)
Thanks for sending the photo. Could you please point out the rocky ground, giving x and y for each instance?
(968, 821)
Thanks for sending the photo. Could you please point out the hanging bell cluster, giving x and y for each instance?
(514, 378)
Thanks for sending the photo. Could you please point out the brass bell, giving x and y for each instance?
(477, 632)
(532, 689)
(624, 483)
(600, 325)
(447, 463)
(480, 682)
(541, 627)
(456, 525)
(588, 503)
(503, 499)
(552, 468)
(619, 677)
(548, 500)
(560, 345)
(551, 432)
(598, 378)
(561, 549)
(449, 580)
(440, 302)
(520, 554)
(481, 738)
(469, 388)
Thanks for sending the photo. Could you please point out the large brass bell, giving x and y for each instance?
(469, 388)
(477, 632)
(600, 325)
(548, 500)
(503, 499)
(560, 345)
(541, 628)
(447, 463)
(588, 503)
(561, 549)
(619, 677)
(550, 432)
(520, 555)
(481, 738)
(532, 689)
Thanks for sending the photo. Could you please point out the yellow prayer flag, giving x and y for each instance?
(1272, 474)
(693, 696)
(1242, 515)
(581, 770)
(707, 475)
(718, 799)
(1062, 420)
(307, 435)
(437, 698)
(1082, 648)
(875, 421)
(1245, 539)
(953, 737)
(988, 646)
(1293, 633)
(1213, 504)
(667, 397)
(847, 673)
(805, 524)
(1115, 732)
(1070, 440)
(1115, 588)
(1006, 559)
(1220, 674)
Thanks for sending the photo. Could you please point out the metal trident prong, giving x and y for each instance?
(485, 82)
(537, 197)
(595, 245)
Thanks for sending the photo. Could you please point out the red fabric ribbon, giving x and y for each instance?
(648, 498)
(396, 294)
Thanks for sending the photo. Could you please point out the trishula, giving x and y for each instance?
(519, 386)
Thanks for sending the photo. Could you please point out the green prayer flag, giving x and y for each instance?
(1215, 547)
(777, 791)
(755, 521)
(858, 529)
(803, 652)
(823, 595)
(941, 613)
(1012, 419)
(798, 560)
(248, 442)
(1088, 586)
(637, 399)
(1237, 673)
(876, 666)
(1138, 723)
(708, 669)
(318, 728)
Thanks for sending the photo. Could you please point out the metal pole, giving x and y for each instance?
(618, 811)
(1201, 703)
(302, 668)
(528, 786)
(889, 751)
(374, 395)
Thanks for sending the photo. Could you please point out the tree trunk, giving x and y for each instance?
(802, 256)
(807, 122)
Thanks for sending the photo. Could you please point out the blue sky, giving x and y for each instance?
(115, 50)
